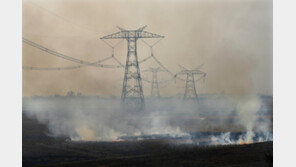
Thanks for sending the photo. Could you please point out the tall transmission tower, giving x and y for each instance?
(132, 97)
(190, 90)
(154, 82)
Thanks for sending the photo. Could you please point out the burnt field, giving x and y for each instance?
(39, 149)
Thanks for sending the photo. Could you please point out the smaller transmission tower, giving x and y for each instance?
(190, 90)
(154, 82)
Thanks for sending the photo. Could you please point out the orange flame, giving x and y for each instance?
(242, 143)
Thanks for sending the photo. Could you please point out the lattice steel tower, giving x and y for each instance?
(132, 97)
(190, 90)
(154, 82)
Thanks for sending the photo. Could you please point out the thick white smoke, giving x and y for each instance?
(246, 112)
(97, 119)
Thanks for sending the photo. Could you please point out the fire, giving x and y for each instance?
(138, 139)
(116, 140)
(243, 142)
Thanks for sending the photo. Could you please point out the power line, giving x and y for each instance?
(82, 62)
(159, 63)
(63, 18)
(62, 68)
(145, 59)
(51, 68)
(113, 47)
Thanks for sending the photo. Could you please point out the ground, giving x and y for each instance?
(39, 149)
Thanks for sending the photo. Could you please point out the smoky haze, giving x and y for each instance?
(232, 38)
(98, 119)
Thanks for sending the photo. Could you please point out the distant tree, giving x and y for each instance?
(70, 93)
(79, 94)
(35, 96)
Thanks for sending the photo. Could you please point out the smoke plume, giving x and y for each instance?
(97, 119)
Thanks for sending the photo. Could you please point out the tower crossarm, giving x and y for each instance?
(197, 72)
(139, 33)
(153, 70)
(116, 35)
(145, 34)
(185, 72)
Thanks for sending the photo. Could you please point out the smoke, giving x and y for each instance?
(222, 139)
(248, 113)
(97, 119)
(233, 39)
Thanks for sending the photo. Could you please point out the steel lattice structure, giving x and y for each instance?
(190, 90)
(132, 97)
(154, 82)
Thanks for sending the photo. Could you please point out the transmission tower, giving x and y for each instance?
(154, 82)
(190, 90)
(132, 97)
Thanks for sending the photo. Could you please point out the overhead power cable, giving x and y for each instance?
(159, 63)
(113, 47)
(63, 18)
(51, 68)
(78, 61)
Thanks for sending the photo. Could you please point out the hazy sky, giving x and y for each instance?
(233, 38)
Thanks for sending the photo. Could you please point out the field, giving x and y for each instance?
(39, 149)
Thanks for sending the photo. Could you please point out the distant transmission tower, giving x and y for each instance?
(132, 97)
(154, 82)
(190, 90)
